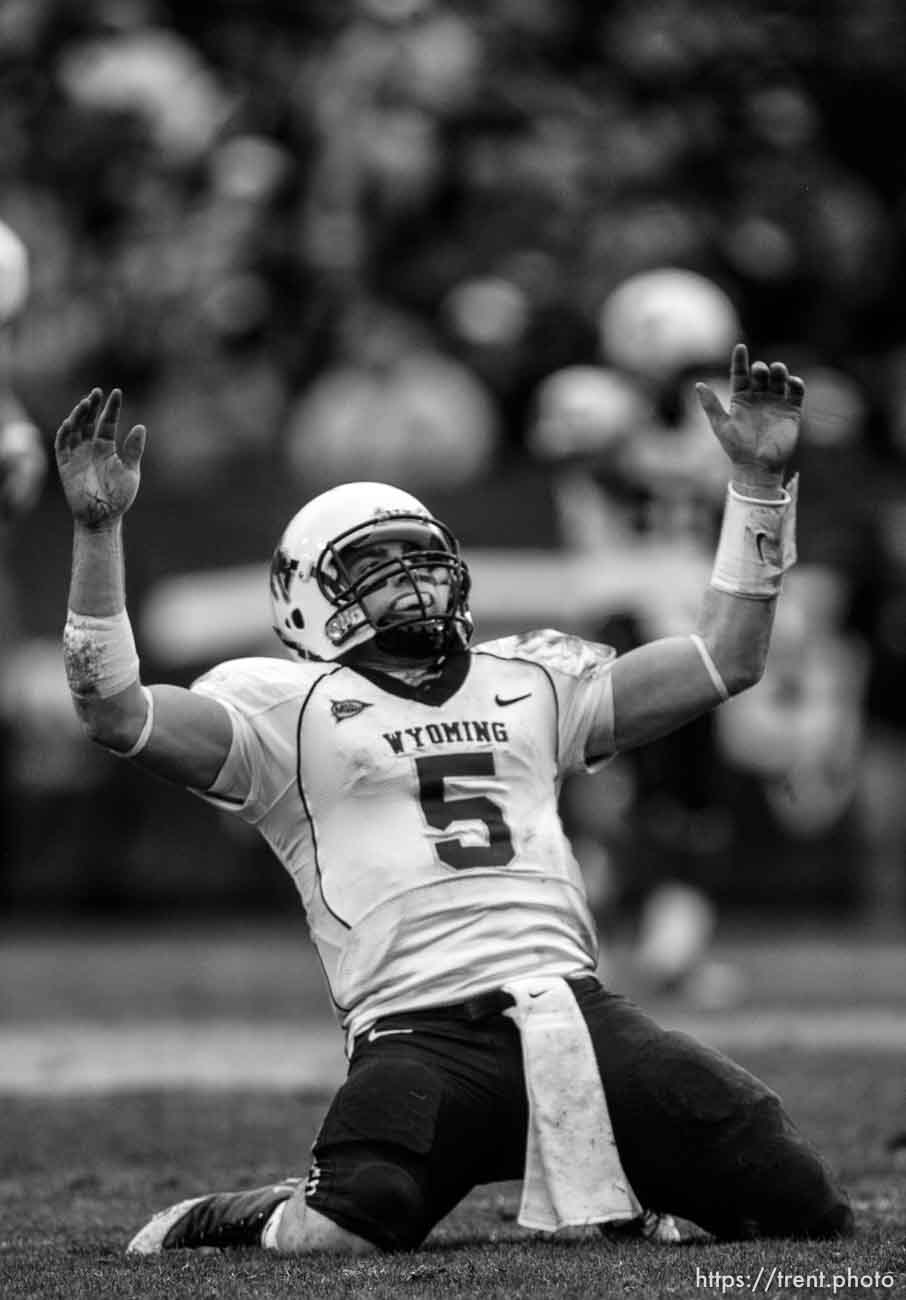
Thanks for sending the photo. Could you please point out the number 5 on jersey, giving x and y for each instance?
(443, 810)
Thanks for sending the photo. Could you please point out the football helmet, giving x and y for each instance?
(586, 412)
(13, 273)
(659, 322)
(317, 601)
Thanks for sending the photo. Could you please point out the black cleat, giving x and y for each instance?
(217, 1221)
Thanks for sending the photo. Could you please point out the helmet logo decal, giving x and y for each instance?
(283, 567)
(383, 513)
(342, 709)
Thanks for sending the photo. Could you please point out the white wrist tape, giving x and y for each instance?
(99, 655)
(757, 544)
(713, 671)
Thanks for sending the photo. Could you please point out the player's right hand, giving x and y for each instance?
(99, 470)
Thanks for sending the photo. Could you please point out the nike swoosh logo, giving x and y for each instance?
(374, 1034)
(766, 548)
(512, 700)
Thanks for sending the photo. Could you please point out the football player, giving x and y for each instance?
(408, 782)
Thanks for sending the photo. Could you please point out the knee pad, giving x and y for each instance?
(793, 1193)
(391, 1197)
(837, 1222)
(378, 1199)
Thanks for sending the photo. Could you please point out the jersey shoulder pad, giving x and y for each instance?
(558, 651)
(260, 682)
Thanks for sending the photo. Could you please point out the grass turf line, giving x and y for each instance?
(78, 1176)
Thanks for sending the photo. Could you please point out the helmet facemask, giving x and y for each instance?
(431, 618)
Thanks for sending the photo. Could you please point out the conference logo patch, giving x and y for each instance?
(343, 709)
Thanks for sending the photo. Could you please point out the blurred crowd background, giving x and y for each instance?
(479, 248)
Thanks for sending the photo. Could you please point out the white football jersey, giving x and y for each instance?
(420, 824)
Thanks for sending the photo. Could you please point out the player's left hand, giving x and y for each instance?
(760, 431)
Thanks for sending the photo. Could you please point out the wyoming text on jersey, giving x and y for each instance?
(446, 733)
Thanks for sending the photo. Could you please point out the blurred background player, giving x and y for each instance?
(766, 791)
(638, 487)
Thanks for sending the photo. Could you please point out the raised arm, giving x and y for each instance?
(662, 685)
(173, 732)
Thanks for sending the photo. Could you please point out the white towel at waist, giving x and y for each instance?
(573, 1174)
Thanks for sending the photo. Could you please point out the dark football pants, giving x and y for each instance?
(425, 1116)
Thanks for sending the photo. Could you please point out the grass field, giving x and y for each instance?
(81, 1167)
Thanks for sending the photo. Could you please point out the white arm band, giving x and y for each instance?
(713, 672)
(99, 655)
(757, 544)
(145, 734)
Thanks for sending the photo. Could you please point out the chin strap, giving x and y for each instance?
(406, 668)
(417, 641)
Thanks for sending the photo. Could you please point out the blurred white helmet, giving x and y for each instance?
(420, 415)
(317, 605)
(585, 411)
(658, 322)
(23, 460)
(13, 273)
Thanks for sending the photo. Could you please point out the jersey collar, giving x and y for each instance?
(434, 690)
